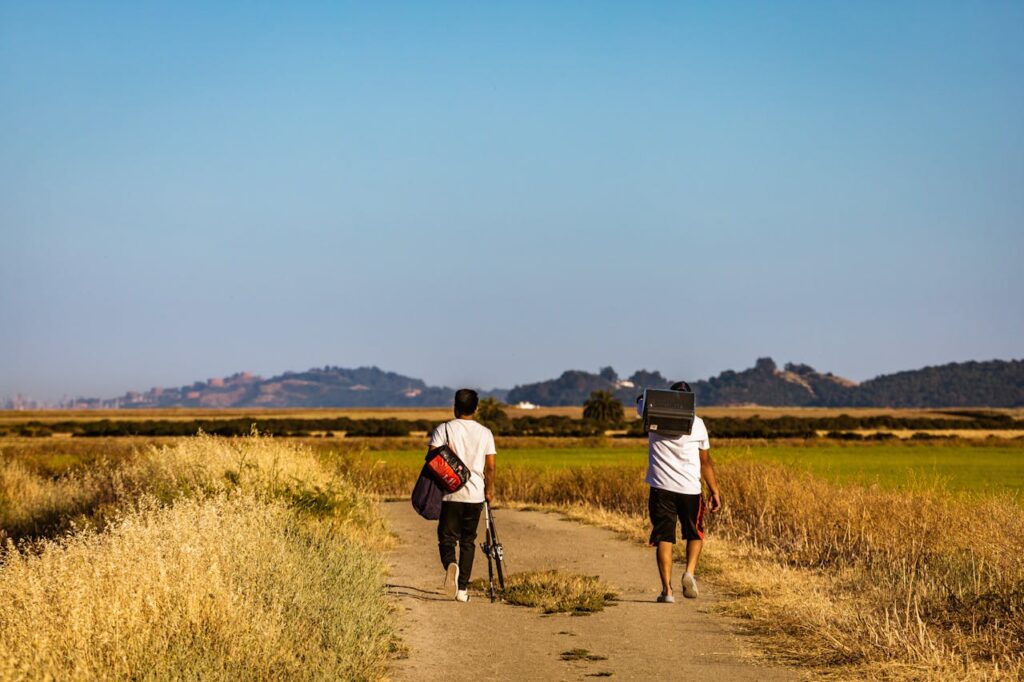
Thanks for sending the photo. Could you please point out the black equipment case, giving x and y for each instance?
(669, 413)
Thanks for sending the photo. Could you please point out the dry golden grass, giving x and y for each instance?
(850, 580)
(230, 587)
(36, 501)
(918, 578)
(33, 506)
(213, 559)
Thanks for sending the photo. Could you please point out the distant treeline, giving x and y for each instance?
(554, 426)
(808, 427)
(287, 427)
(993, 383)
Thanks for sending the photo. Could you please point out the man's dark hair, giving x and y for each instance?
(466, 401)
(681, 386)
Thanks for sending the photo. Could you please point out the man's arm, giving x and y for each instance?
(435, 439)
(707, 472)
(489, 477)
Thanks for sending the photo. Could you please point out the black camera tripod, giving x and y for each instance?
(495, 554)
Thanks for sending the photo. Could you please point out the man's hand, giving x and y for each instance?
(716, 501)
(489, 496)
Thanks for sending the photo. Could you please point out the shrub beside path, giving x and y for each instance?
(635, 639)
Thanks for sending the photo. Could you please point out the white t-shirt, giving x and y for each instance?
(673, 462)
(472, 442)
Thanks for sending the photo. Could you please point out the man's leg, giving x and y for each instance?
(663, 554)
(467, 540)
(692, 552)
(691, 514)
(448, 532)
(661, 508)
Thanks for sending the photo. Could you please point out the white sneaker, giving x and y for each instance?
(462, 595)
(451, 580)
(689, 586)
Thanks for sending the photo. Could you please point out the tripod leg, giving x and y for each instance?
(499, 551)
(488, 548)
(490, 578)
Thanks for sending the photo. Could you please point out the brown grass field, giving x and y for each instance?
(204, 559)
(845, 580)
(841, 578)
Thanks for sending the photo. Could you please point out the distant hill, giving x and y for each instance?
(574, 386)
(995, 383)
(318, 387)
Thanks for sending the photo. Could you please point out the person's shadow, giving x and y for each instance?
(416, 593)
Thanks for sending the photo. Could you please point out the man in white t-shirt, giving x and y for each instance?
(473, 443)
(675, 467)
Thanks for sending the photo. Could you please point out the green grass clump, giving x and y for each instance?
(555, 592)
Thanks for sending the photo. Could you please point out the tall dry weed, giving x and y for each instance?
(229, 587)
(938, 578)
(204, 559)
(34, 505)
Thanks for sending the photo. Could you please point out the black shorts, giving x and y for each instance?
(667, 507)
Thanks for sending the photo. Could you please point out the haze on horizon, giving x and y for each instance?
(484, 195)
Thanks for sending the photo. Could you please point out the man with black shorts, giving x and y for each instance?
(473, 443)
(675, 467)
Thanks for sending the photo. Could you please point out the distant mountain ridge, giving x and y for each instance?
(992, 383)
(317, 387)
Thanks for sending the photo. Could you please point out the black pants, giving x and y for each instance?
(668, 508)
(458, 524)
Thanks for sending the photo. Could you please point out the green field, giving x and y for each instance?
(957, 466)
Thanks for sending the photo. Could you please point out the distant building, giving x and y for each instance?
(526, 406)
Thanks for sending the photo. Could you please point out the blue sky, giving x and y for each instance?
(488, 194)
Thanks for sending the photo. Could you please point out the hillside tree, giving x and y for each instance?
(602, 407)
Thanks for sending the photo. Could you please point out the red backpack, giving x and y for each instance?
(446, 466)
(442, 473)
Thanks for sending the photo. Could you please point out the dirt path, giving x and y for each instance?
(642, 640)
